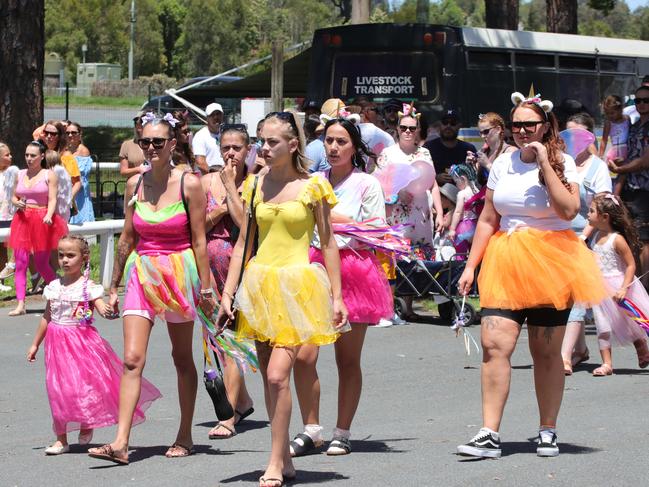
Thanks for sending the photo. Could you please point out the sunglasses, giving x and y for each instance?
(641, 100)
(158, 142)
(238, 127)
(286, 117)
(407, 128)
(529, 125)
(51, 134)
(449, 122)
(485, 131)
(72, 132)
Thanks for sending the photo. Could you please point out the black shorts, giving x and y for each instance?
(534, 316)
(637, 201)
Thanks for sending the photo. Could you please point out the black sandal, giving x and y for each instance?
(302, 445)
(339, 446)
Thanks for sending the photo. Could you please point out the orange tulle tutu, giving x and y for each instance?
(532, 268)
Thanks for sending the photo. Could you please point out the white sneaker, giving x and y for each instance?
(8, 270)
(5, 289)
(383, 323)
(57, 450)
(396, 320)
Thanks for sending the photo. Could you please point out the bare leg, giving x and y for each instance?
(136, 340)
(549, 379)
(181, 335)
(307, 383)
(574, 347)
(277, 374)
(498, 336)
(644, 264)
(235, 387)
(350, 376)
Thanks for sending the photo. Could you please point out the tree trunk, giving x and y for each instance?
(423, 11)
(562, 16)
(360, 11)
(22, 57)
(501, 14)
(277, 77)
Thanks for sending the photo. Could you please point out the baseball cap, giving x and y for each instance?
(450, 114)
(213, 107)
(393, 103)
(310, 104)
(450, 191)
(330, 108)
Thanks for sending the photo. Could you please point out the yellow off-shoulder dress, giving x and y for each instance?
(283, 299)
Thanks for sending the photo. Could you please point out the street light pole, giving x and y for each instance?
(130, 52)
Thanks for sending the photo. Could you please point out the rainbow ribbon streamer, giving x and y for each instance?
(376, 234)
(635, 313)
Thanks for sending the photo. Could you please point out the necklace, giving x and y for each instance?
(341, 179)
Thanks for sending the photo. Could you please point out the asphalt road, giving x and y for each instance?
(421, 398)
(94, 117)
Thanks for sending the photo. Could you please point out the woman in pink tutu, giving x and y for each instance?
(82, 370)
(365, 288)
(615, 242)
(36, 227)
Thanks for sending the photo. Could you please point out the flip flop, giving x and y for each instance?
(232, 431)
(263, 481)
(567, 367)
(184, 451)
(243, 415)
(106, 452)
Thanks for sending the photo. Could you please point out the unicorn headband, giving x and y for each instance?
(545, 105)
(409, 110)
(168, 117)
(343, 114)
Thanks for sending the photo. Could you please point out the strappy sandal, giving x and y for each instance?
(583, 357)
(106, 452)
(339, 446)
(302, 445)
(263, 482)
(213, 436)
(179, 451)
(603, 370)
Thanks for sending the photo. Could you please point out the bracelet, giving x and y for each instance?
(225, 293)
(207, 292)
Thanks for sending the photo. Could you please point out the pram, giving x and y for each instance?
(420, 278)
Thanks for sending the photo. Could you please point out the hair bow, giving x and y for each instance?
(169, 118)
(611, 196)
(148, 117)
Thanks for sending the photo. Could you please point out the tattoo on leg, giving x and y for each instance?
(490, 322)
(547, 333)
(533, 331)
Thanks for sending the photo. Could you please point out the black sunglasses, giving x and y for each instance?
(239, 127)
(407, 128)
(449, 121)
(641, 100)
(158, 142)
(485, 131)
(530, 126)
(286, 117)
(51, 134)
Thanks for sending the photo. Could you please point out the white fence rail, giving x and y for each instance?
(105, 230)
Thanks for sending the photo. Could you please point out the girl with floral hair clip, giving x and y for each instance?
(82, 371)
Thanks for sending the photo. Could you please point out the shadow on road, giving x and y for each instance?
(245, 425)
(378, 446)
(306, 477)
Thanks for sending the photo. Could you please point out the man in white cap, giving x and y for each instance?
(205, 143)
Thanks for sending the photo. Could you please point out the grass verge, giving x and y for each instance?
(95, 101)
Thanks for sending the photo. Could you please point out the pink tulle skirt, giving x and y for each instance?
(82, 377)
(28, 232)
(366, 291)
(611, 318)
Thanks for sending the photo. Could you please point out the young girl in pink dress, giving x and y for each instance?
(615, 242)
(82, 371)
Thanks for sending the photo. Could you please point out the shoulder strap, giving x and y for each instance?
(137, 187)
(250, 236)
(185, 205)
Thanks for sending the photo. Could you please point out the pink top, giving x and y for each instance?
(161, 232)
(37, 194)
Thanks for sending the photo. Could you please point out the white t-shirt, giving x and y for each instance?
(519, 197)
(360, 198)
(204, 143)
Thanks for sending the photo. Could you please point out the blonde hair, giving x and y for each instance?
(292, 131)
(495, 120)
(52, 158)
(4, 146)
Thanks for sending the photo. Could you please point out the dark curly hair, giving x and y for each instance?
(361, 149)
(619, 218)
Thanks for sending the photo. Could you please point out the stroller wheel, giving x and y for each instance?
(400, 307)
(469, 314)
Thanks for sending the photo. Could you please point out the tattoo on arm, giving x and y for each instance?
(123, 251)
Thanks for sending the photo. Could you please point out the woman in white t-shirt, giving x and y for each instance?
(534, 268)
(593, 177)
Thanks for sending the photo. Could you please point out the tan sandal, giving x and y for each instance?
(212, 435)
(106, 452)
(179, 451)
(603, 370)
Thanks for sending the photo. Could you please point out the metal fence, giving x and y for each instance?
(107, 188)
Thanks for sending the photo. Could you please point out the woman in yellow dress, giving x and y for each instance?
(283, 300)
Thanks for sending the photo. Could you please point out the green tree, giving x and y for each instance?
(447, 12)
(171, 14)
(148, 56)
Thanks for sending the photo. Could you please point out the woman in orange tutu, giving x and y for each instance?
(534, 268)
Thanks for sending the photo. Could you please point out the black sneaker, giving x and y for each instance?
(484, 445)
(547, 444)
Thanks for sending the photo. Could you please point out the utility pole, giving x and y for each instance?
(360, 11)
(277, 76)
(130, 51)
